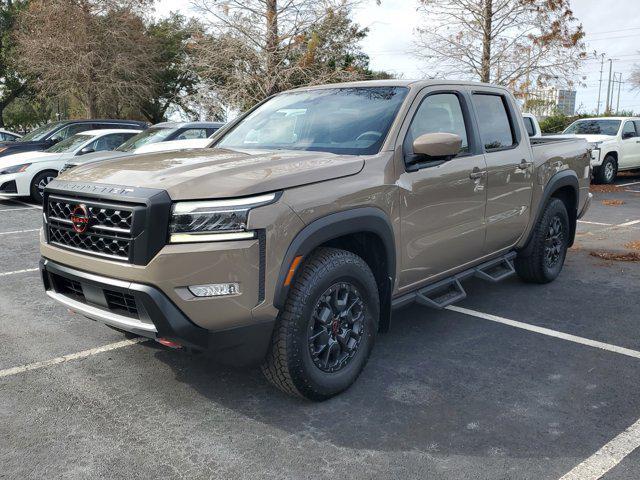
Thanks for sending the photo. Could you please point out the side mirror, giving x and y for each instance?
(86, 150)
(439, 146)
(626, 135)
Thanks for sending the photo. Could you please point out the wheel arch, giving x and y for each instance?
(563, 185)
(366, 231)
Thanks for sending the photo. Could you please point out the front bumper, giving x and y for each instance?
(151, 314)
(9, 185)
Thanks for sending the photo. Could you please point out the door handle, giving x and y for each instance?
(477, 173)
(523, 165)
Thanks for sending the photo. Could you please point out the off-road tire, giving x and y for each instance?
(289, 364)
(36, 195)
(606, 173)
(531, 264)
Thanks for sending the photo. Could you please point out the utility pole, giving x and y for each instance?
(619, 85)
(600, 84)
(608, 106)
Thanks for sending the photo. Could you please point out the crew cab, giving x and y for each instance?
(290, 241)
(48, 135)
(615, 143)
(26, 174)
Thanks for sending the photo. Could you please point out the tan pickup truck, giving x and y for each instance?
(291, 239)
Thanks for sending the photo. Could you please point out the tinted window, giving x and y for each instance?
(440, 113)
(70, 131)
(152, 135)
(493, 121)
(192, 133)
(352, 121)
(70, 144)
(528, 124)
(40, 133)
(110, 142)
(637, 122)
(594, 127)
(629, 129)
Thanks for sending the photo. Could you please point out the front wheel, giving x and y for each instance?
(38, 183)
(325, 333)
(606, 173)
(548, 248)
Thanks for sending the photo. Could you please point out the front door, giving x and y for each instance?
(510, 170)
(630, 145)
(443, 206)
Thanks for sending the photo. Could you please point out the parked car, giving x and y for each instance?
(290, 241)
(615, 142)
(195, 133)
(26, 174)
(6, 136)
(532, 125)
(48, 135)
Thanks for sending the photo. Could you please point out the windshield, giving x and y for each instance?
(39, 133)
(594, 127)
(352, 121)
(70, 144)
(151, 135)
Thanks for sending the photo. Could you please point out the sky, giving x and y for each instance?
(611, 26)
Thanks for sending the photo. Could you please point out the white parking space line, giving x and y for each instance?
(598, 464)
(628, 184)
(67, 358)
(6, 274)
(15, 232)
(547, 331)
(20, 202)
(595, 223)
(628, 224)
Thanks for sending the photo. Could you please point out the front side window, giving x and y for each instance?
(439, 113)
(69, 145)
(151, 135)
(110, 142)
(69, 131)
(493, 121)
(351, 121)
(40, 133)
(629, 130)
(192, 133)
(594, 127)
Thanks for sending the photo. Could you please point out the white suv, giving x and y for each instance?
(615, 142)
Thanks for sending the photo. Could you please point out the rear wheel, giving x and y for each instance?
(326, 331)
(40, 181)
(546, 254)
(607, 172)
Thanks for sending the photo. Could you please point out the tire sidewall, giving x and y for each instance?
(603, 168)
(307, 376)
(35, 193)
(555, 208)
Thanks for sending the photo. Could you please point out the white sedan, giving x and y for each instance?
(26, 174)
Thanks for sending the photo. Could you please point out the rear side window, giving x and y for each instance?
(493, 121)
(438, 113)
(528, 124)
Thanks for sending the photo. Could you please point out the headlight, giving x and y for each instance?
(216, 220)
(15, 169)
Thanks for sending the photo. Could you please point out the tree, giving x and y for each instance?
(93, 50)
(173, 81)
(255, 48)
(516, 43)
(12, 84)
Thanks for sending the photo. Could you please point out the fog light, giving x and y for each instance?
(215, 290)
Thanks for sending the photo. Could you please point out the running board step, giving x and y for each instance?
(441, 294)
(496, 270)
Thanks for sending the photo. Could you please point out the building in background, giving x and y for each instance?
(548, 101)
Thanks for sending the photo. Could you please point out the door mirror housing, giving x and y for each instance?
(438, 146)
(626, 135)
(86, 150)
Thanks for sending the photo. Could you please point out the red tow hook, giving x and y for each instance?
(168, 343)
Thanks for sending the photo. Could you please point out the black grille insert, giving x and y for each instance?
(101, 245)
(70, 288)
(121, 303)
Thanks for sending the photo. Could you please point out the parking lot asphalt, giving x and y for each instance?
(446, 395)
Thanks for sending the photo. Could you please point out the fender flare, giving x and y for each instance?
(357, 220)
(557, 181)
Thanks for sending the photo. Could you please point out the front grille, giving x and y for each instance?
(122, 303)
(109, 233)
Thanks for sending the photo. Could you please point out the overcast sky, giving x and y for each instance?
(612, 28)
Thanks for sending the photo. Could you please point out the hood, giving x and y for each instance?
(96, 157)
(28, 157)
(217, 173)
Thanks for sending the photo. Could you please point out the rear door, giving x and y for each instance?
(510, 170)
(442, 207)
(630, 145)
